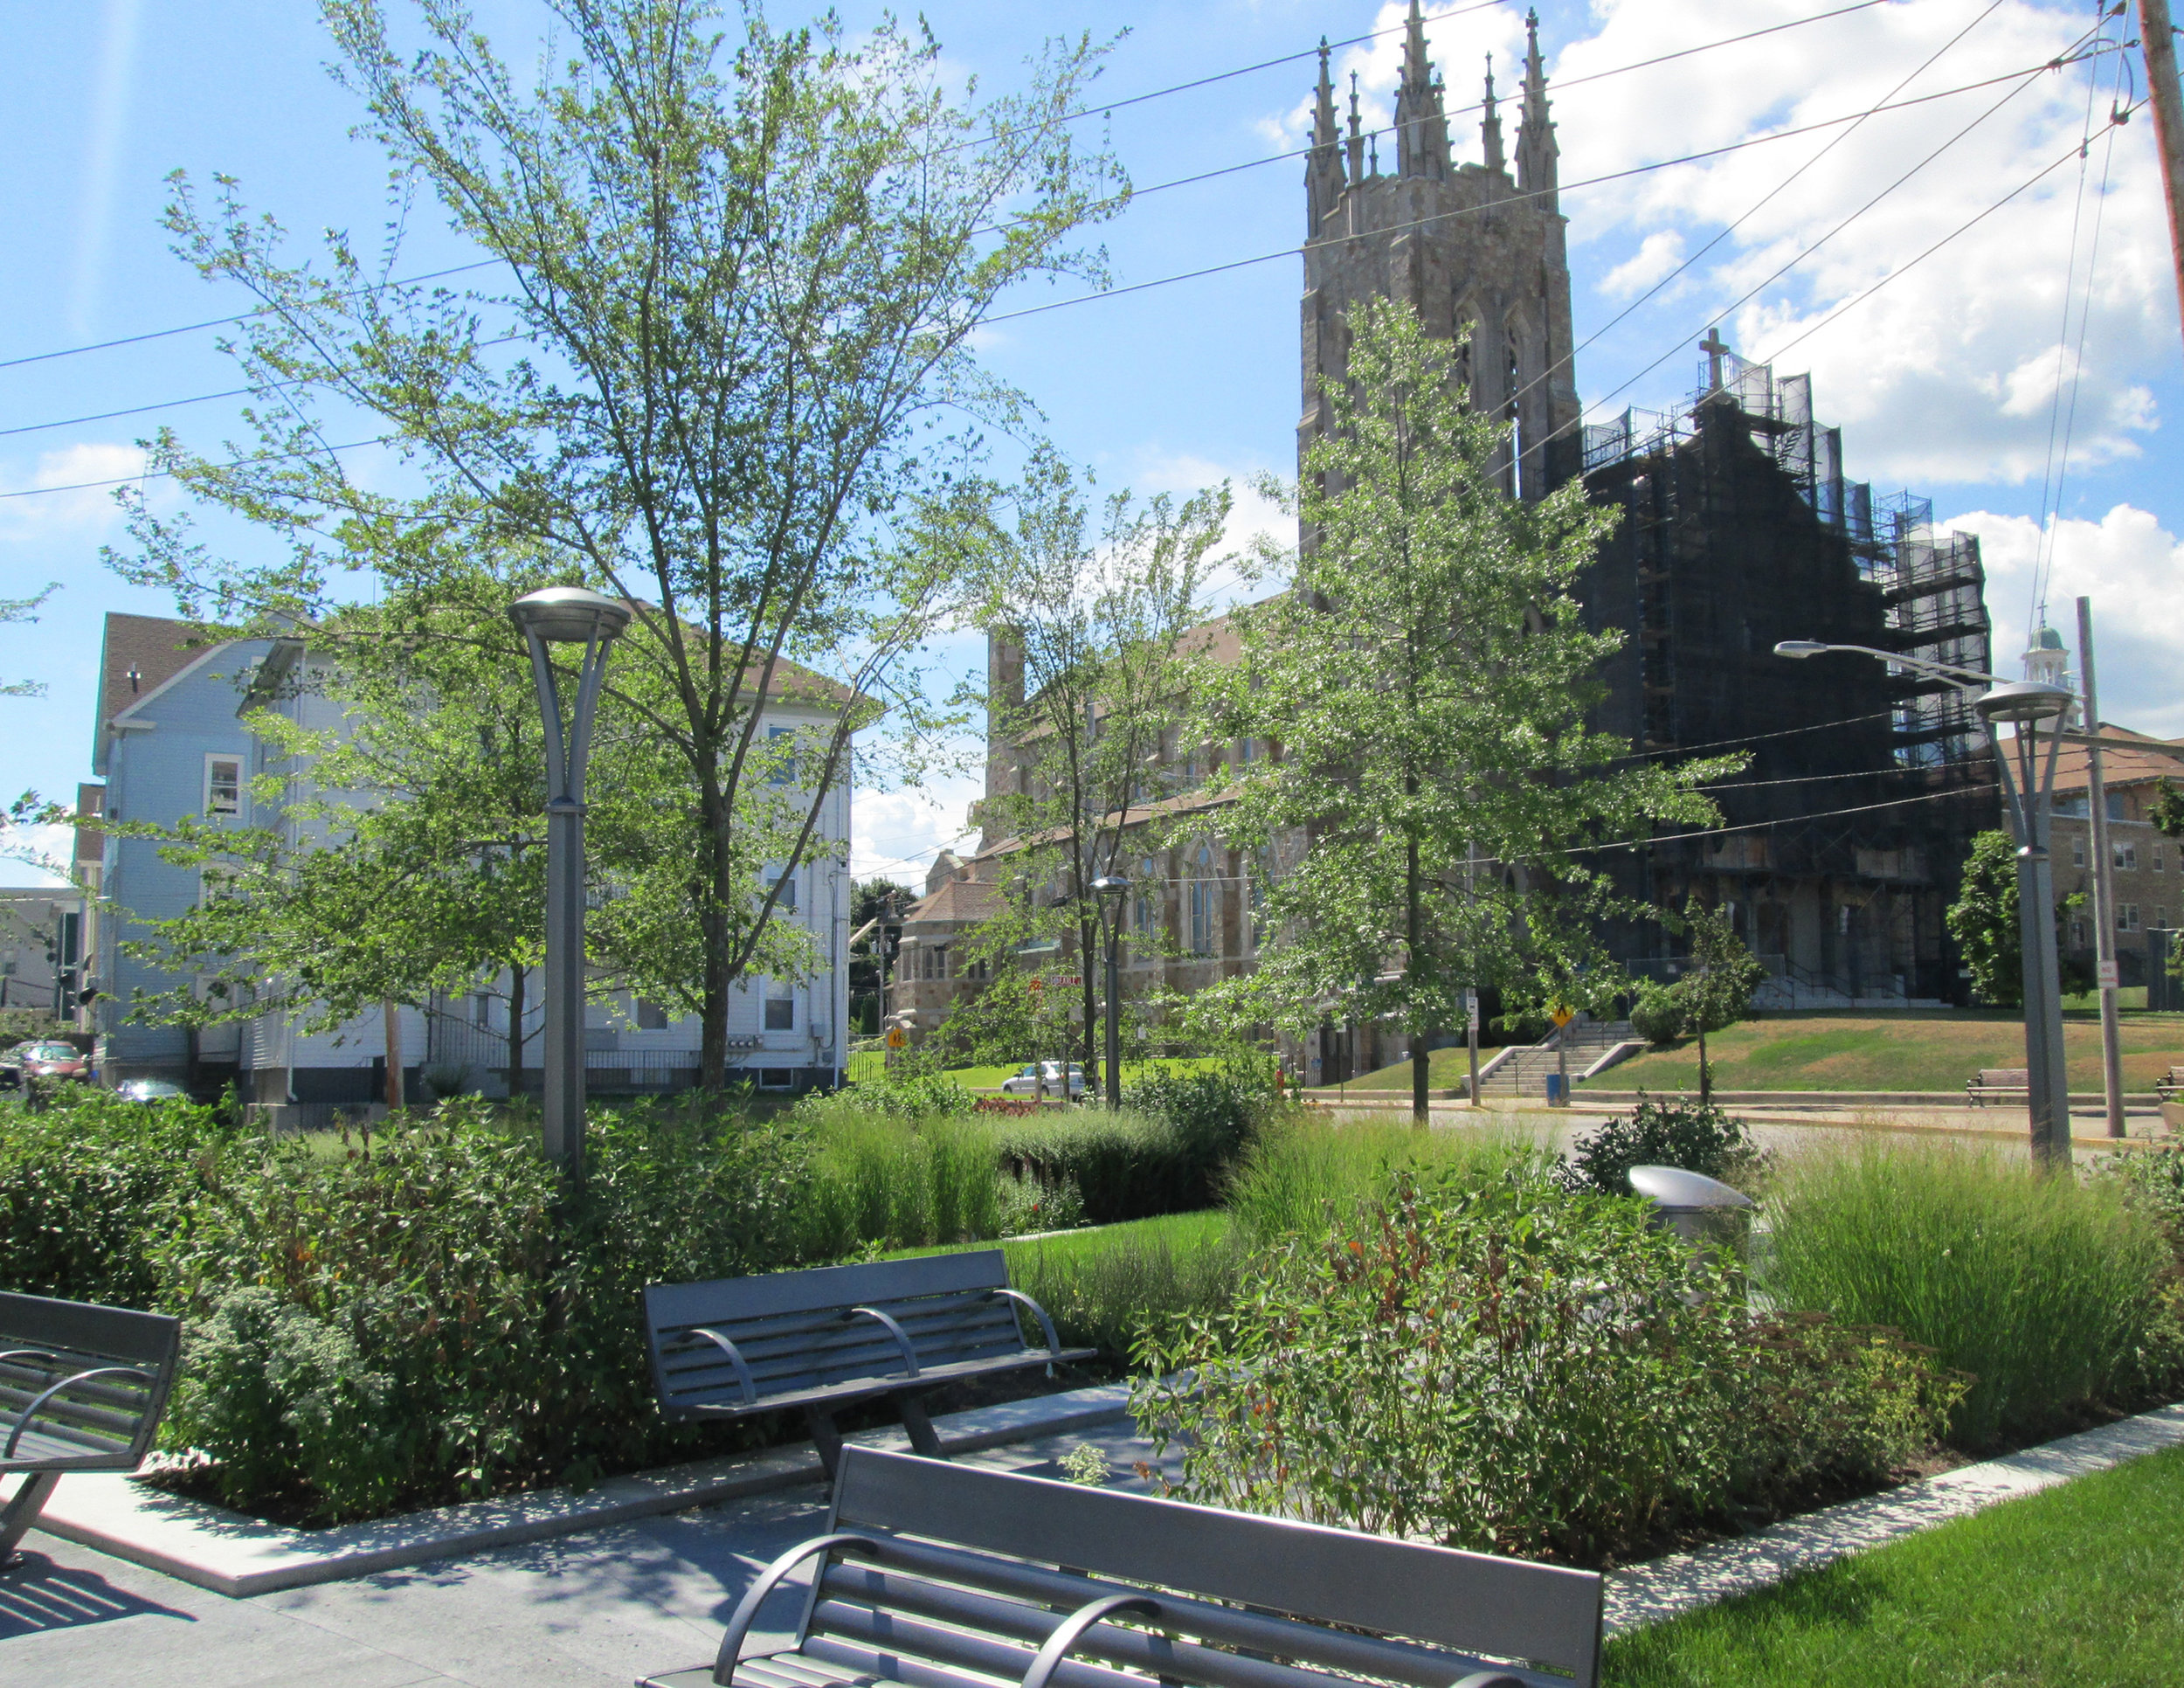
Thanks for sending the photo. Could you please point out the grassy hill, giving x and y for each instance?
(1934, 1051)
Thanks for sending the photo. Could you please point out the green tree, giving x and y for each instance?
(720, 376)
(1716, 991)
(1096, 608)
(1428, 675)
(24, 609)
(1984, 922)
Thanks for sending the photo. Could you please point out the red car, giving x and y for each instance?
(56, 1061)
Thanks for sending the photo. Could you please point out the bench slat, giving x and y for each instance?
(730, 1402)
(1473, 1602)
(671, 1305)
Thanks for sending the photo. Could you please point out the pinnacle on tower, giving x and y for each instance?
(1323, 172)
(1420, 143)
(1357, 136)
(1535, 148)
(1490, 125)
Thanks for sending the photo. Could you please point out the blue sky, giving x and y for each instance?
(1944, 379)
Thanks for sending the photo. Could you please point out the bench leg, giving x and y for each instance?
(21, 1512)
(825, 1438)
(922, 1437)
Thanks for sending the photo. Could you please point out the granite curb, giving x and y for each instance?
(1667, 1587)
(240, 1556)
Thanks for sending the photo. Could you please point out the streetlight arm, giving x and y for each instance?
(1804, 647)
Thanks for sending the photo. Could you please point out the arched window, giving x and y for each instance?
(1145, 908)
(1204, 894)
(1464, 329)
(1512, 413)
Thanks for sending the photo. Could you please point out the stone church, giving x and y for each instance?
(1842, 842)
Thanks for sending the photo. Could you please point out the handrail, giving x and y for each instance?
(735, 1358)
(23, 1423)
(1054, 1340)
(746, 1608)
(902, 1336)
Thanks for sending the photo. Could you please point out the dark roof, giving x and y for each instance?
(957, 899)
(139, 654)
(2121, 764)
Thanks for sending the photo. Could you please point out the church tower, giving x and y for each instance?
(1465, 244)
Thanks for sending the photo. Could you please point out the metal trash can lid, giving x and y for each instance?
(1675, 1189)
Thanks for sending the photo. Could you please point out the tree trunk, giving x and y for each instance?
(1087, 942)
(391, 1013)
(515, 1031)
(1421, 1114)
(1706, 1077)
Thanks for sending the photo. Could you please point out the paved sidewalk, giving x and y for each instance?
(586, 1611)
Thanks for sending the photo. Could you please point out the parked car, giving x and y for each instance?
(48, 1058)
(150, 1090)
(11, 1063)
(1044, 1078)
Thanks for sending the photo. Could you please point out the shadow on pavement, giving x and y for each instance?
(37, 1595)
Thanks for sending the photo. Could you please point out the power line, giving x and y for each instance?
(1752, 825)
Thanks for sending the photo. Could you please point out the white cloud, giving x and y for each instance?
(28, 849)
(2133, 571)
(51, 515)
(897, 833)
(1946, 372)
(1660, 252)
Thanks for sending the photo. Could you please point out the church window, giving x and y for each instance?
(1146, 911)
(1204, 891)
(1512, 412)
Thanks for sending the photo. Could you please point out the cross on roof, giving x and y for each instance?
(1716, 349)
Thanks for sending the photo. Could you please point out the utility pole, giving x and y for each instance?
(2157, 40)
(2103, 884)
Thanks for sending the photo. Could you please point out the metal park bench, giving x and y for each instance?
(81, 1389)
(825, 1338)
(2167, 1088)
(1998, 1084)
(951, 1576)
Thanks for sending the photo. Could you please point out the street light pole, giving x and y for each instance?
(2027, 791)
(566, 615)
(1110, 891)
(2105, 980)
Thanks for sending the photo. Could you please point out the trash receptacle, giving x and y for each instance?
(1558, 1092)
(1694, 1207)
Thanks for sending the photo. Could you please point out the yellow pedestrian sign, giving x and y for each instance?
(1563, 1015)
(896, 1039)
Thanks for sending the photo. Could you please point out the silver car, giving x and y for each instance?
(1044, 1078)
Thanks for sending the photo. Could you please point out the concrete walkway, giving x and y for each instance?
(585, 1611)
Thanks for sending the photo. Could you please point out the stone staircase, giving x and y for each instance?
(1523, 1071)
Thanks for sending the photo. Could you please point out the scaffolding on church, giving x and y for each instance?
(1932, 584)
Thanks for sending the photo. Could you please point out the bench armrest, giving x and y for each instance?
(1054, 1342)
(746, 1608)
(1073, 1627)
(1490, 1680)
(902, 1336)
(23, 1419)
(743, 1378)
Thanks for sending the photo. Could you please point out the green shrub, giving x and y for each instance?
(2048, 1291)
(1214, 1112)
(1125, 1165)
(88, 1186)
(2153, 1181)
(1304, 1174)
(1508, 1367)
(442, 1285)
(1657, 1013)
(1697, 1137)
(891, 1182)
(1105, 1293)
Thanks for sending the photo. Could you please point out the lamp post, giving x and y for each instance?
(566, 615)
(2028, 791)
(1110, 892)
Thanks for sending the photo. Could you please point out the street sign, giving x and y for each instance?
(1470, 1004)
(2109, 973)
(1060, 981)
(1563, 1015)
(896, 1039)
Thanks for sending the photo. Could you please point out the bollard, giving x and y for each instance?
(1697, 1209)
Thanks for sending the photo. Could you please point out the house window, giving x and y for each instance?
(651, 1017)
(781, 1013)
(2160, 915)
(1204, 890)
(787, 899)
(2126, 916)
(2078, 939)
(2116, 806)
(482, 1011)
(940, 961)
(223, 784)
(784, 769)
(2077, 852)
(2126, 857)
(2157, 856)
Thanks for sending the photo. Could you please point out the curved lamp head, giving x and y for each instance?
(569, 615)
(1108, 885)
(1802, 647)
(2024, 701)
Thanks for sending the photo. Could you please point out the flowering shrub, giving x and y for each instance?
(1513, 1368)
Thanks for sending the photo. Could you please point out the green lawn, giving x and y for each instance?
(1896, 1052)
(1179, 1231)
(2079, 1586)
(867, 1069)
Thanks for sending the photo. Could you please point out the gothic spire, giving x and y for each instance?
(1420, 143)
(1536, 148)
(1357, 136)
(1490, 125)
(1323, 172)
